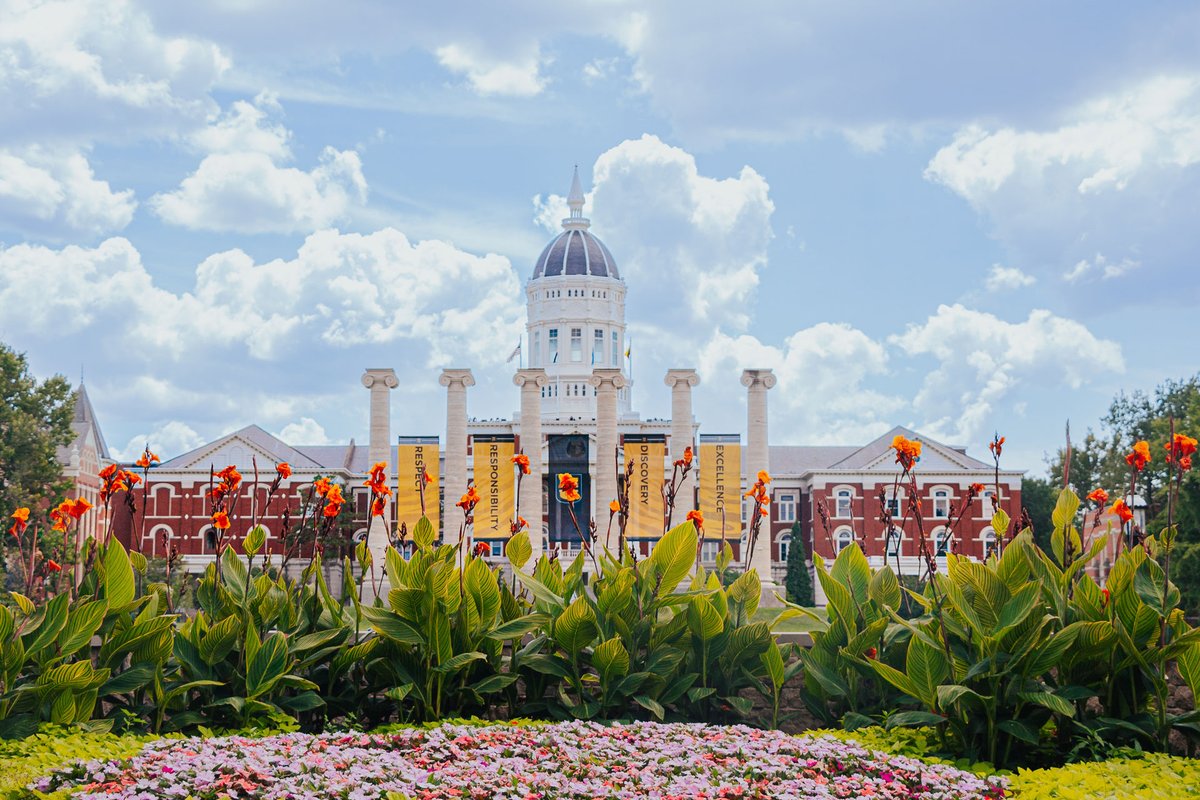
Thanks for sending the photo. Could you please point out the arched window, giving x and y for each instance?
(941, 503)
(941, 542)
(842, 539)
(209, 536)
(988, 537)
(842, 499)
(152, 541)
(785, 543)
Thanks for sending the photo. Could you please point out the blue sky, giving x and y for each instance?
(958, 217)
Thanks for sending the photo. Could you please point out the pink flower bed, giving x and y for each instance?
(565, 760)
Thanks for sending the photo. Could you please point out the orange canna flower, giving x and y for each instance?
(763, 477)
(1139, 457)
(321, 486)
(567, 481)
(688, 455)
(283, 470)
(469, 500)
(21, 515)
(333, 501)
(908, 451)
(522, 461)
(614, 507)
(570, 495)
(1180, 449)
(482, 549)
(521, 523)
(1185, 463)
(996, 445)
(53, 566)
(108, 471)
(220, 521)
(147, 460)
(61, 516)
(1122, 510)
(696, 517)
(378, 506)
(428, 478)
(79, 507)
(976, 488)
(1098, 496)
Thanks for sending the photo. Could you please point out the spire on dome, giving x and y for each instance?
(575, 196)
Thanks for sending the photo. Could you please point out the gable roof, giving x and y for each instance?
(264, 445)
(935, 456)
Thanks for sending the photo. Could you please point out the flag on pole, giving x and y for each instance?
(628, 348)
(516, 352)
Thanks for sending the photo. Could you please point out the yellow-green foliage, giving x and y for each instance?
(25, 760)
(1152, 777)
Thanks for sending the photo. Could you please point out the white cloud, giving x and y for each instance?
(1099, 266)
(98, 69)
(305, 431)
(166, 441)
(488, 75)
(1001, 277)
(247, 127)
(248, 192)
(1118, 176)
(823, 395)
(676, 233)
(53, 192)
(983, 361)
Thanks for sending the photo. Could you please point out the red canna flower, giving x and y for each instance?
(1185, 463)
(53, 566)
(568, 487)
(231, 478)
(1098, 496)
(482, 549)
(1122, 510)
(21, 522)
(1105, 595)
(522, 461)
(220, 521)
(378, 506)
(428, 478)
(284, 470)
(108, 471)
(1179, 449)
(996, 445)
(688, 456)
(976, 488)
(697, 518)
(1139, 457)
(871, 653)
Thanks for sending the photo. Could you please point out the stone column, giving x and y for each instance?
(532, 381)
(681, 382)
(608, 383)
(454, 470)
(379, 448)
(757, 457)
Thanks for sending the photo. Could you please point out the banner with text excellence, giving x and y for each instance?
(495, 481)
(646, 507)
(413, 453)
(720, 460)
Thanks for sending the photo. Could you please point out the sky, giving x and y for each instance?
(961, 218)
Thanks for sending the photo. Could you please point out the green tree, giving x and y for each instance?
(1038, 496)
(799, 580)
(35, 420)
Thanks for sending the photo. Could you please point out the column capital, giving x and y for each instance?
(605, 377)
(531, 375)
(686, 376)
(381, 376)
(760, 377)
(462, 377)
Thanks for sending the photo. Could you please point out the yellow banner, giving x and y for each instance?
(720, 486)
(646, 508)
(412, 454)
(496, 484)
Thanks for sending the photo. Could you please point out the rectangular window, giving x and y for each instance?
(535, 356)
(894, 538)
(709, 551)
(787, 508)
(497, 546)
(553, 342)
(577, 344)
(616, 351)
(941, 504)
(893, 505)
(598, 347)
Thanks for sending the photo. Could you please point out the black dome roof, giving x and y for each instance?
(576, 252)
